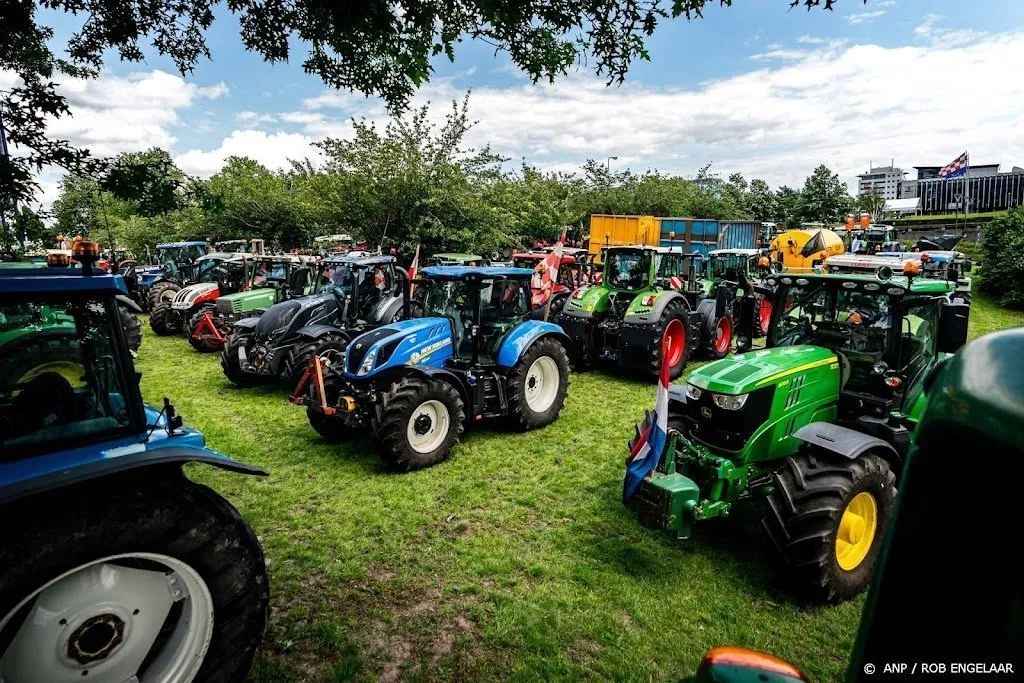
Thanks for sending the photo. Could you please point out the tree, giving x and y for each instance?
(874, 203)
(28, 228)
(1003, 245)
(246, 200)
(150, 181)
(789, 203)
(762, 203)
(376, 47)
(824, 197)
(75, 208)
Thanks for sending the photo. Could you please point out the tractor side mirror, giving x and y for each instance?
(953, 327)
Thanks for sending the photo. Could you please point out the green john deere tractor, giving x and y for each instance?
(817, 424)
(646, 295)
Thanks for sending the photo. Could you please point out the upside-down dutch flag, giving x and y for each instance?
(955, 168)
(647, 450)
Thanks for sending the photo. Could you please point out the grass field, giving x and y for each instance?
(514, 560)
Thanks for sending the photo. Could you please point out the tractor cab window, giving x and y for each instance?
(727, 267)
(523, 262)
(852, 323)
(375, 283)
(669, 265)
(918, 342)
(567, 275)
(60, 378)
(628, 270)
(452, 299)
(340, 275)
(269, 274)
(504, 303)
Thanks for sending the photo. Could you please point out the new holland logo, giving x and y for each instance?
(425, 352)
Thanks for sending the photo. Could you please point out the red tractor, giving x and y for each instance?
(573, 272)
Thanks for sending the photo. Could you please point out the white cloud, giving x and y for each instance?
(811, 40)
(250, 117)
(861, 17)
(927, 27)
(939, 36)
(270, 149)
(779, 55)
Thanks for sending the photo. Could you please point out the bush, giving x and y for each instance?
(1004, 259)
(973, 250)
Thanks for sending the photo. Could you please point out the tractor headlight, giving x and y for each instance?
(693, 393)
(728, 402)
(368, 362)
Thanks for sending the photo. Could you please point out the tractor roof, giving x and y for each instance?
(457, 256)
(462, 272)
(373, 260)
(870, 261)
(221, 255)
(734, 252)
(942, 256)
(657, 250)
(917, 285)
(71, 279)
(171, 245)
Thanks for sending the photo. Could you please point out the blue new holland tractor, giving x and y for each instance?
(114, 566)
(415, 384)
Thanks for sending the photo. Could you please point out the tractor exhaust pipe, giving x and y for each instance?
(406, 285)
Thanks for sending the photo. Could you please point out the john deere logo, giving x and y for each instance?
(706, 412)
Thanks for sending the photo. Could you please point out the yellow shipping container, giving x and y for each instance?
(616, 231)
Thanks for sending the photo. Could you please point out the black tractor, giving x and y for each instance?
(351, 295)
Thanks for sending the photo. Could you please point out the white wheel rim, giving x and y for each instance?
(541, 384)
(428, 426)
(103, 620)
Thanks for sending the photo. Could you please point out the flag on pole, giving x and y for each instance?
(955, 168)
(547, 275)
(414, 269)
(648, 449)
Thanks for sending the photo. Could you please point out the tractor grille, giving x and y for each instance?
(227, 307)
(619, 302)
(361, 346)
(729, 429)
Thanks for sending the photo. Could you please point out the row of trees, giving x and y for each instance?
(411, 182)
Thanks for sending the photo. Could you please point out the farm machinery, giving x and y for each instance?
(351, 295)
(817, 424)
(732, 267)
(572, 274)
(114, 565)
(953, 266)
(646, 295)
(175, 262)
(415, 384)
(206, 313)
(216, 272)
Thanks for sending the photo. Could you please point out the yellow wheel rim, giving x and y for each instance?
(857, 531)
(74, 373)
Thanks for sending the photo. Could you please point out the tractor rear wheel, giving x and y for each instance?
(163, 320)
(164, 581)
(716, 332)
(673, 326)
(132, 327)
(764, 315)
(827, 516)
(203, 344)
(419, 423)
(537, 385)
(298, 358)
(165, 289)
(233, 367)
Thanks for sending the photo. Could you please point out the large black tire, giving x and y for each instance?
(232, 368)
(332, 429)
(400, 406)
(710, 324)
(522, 384)
(160, 513)
(164, 289)
(811, 493)
(132, 327)
(298, 358)
(163, 320)
(676, 310)
(202, 345)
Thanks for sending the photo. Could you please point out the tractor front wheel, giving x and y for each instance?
(297, 361)
(232, 366)
(163, 320)
(419, 423)
(537, 385)
(673, 328)
(162, 291)
(827, 516)
(203, 344)
(164, 581)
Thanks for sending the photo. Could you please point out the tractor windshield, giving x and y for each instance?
(503, 302)
(628, 269)
(269, 274)
(341, 275)
(726, 266)
(60, 378)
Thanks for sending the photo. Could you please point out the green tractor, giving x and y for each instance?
(817, 424)
(646, 295)
(732, 266)
(267, 281)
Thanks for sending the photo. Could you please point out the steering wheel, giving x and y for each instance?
(46, 400)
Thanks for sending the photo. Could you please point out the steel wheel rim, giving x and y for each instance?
(435, 415)
(71, 371)
(541, 384)
(857, 530)
(116, 618)
(675, 337)
(723, 334)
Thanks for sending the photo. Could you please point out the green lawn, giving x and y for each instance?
(514, 560)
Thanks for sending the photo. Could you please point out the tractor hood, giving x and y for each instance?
(420, 341)
(752, 370)
(193, 294)
(587, 300)
(251, 300)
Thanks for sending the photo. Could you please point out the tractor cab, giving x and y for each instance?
(175, 256)
(455, 259)
(483, 304)
(360, 284)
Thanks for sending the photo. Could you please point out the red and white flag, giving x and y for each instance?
(548, 268)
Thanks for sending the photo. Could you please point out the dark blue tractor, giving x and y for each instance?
(175, 261)
(114, 566)
(474, 355)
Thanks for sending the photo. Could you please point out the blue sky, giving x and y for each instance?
(755, 88)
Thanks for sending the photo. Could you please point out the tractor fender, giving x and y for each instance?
(130, 303)
(395, 374)
(317, 331)
(522, 338)
(844, 441)
(62, 477)
(387, 310)
(662, 300)
(246, 323)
